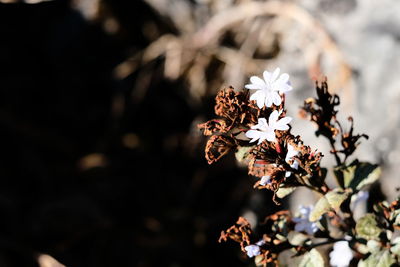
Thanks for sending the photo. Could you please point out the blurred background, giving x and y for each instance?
(101, 162)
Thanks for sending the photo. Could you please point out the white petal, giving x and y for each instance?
(252, 250)
(275, 74)
(283, 88)
(267, 75)
(284, 120)
(262, 123)
(268, 101)
(253, 134)
(341, 254)
(270, 136)
(284, 78)
(252, 86)
(282, 124)
(256, 80)
(257, 94)
(260, 141)
(282, 127)
(273, 117)
(291, 152)
(260, 102)
(253, 140)
(276, 98)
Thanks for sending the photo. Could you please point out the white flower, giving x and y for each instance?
(252, 250)
(265, 180)
(291, 152)
(303, 223)
(266, 130)
(268, 89)
(341, 254)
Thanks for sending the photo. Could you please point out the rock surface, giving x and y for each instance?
(367, 33)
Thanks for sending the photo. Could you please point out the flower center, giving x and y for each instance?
(266, 128)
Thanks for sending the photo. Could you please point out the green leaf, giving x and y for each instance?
(362, 248)
(312, 259)
(242, 153)
(379, 259)
(395, 249)
(284, 191)
(258, 260)
(366, 175)
(357, 174)
(344, 174)
(367, 227)
(374, 246)
(296, 238)
(331, 201)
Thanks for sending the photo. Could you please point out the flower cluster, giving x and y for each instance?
(253, 124)
(261, 135)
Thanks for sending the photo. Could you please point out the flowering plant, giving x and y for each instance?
(253, 124)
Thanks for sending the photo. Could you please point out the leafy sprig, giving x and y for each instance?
(282, 162)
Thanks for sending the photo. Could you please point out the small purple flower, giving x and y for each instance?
(265, 180)
(252, 250)
(303, 223)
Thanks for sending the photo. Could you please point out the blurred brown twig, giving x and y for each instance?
(191, 54)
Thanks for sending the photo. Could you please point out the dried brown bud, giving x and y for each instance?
(217, 147)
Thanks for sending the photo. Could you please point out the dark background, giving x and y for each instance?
(70, 186)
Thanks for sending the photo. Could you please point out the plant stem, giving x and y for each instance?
(329, 241)
(338, 161)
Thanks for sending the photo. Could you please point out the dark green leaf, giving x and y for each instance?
(331, 201)
(357, 174)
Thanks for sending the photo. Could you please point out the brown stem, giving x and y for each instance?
(334, 152)
(325, 188)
